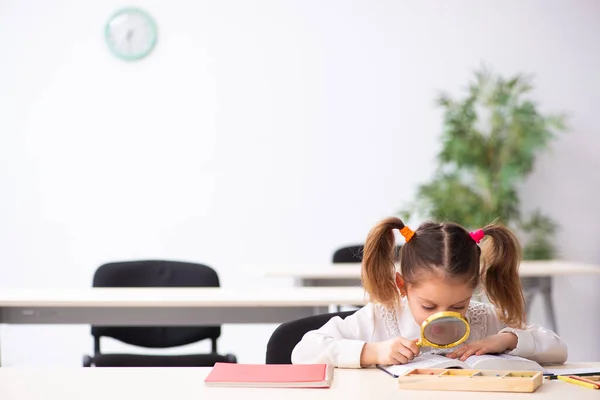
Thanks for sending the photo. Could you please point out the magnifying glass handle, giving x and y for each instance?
(419, 343)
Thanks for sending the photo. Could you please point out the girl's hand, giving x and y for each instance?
(492, 344)
(393, 351)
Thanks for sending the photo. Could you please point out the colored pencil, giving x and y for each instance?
(577, 382)
(579, 378)
(588, 375)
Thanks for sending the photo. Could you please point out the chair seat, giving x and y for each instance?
(143, 360)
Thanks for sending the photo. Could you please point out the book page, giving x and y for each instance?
(424, 360)
(502, 361)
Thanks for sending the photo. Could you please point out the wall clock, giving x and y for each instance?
(131, 34)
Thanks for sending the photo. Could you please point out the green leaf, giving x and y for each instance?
(491, 137)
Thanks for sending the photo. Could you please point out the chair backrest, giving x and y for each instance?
(354, 254)
(348, 254)
(156, 273)
(287, 335)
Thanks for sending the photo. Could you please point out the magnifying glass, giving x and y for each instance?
(443, 330)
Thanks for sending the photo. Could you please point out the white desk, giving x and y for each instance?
(324, 274)
(187, 383)
(536, 277)
(168, 306)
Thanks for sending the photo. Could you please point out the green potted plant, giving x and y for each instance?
(491, 137)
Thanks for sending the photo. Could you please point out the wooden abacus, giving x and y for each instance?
(470, 380)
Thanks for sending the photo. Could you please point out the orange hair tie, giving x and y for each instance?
(407, 233)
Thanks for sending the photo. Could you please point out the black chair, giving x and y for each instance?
(287, 335)
(156, 273)
(348, 254)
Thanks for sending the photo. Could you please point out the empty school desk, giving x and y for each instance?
(168, 306)
(536, 277)
(187, 383)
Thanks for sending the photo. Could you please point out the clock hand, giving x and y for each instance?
(129, 36)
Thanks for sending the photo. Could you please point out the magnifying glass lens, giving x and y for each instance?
(445, 330)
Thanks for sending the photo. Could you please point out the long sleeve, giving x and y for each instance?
(539, 344)
(534, 342)
(339, 342)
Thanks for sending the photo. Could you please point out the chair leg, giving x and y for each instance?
(96, 345)
(231, 358)
(214, 345)
(87, 361)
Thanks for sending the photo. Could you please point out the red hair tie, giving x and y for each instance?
(477, 235)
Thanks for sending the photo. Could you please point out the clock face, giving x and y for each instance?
(131, 34)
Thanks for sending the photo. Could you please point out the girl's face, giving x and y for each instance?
(434, 294)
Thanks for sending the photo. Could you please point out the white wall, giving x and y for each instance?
(268, 131)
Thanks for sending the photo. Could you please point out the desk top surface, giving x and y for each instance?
(352, 270)
(181, 297)
(187, 383)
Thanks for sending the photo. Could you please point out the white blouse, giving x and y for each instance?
(340, 341)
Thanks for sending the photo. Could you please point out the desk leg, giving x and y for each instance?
(530, 288)
(304, 282)
(320, 310)
(542, 285)
(546, 289)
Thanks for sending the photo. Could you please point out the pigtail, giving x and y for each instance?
(500, 257)
(378, 270)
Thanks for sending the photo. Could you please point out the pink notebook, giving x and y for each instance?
(270, 375)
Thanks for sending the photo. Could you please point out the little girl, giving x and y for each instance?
(441, 266)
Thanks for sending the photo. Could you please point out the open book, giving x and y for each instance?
(500, 362)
